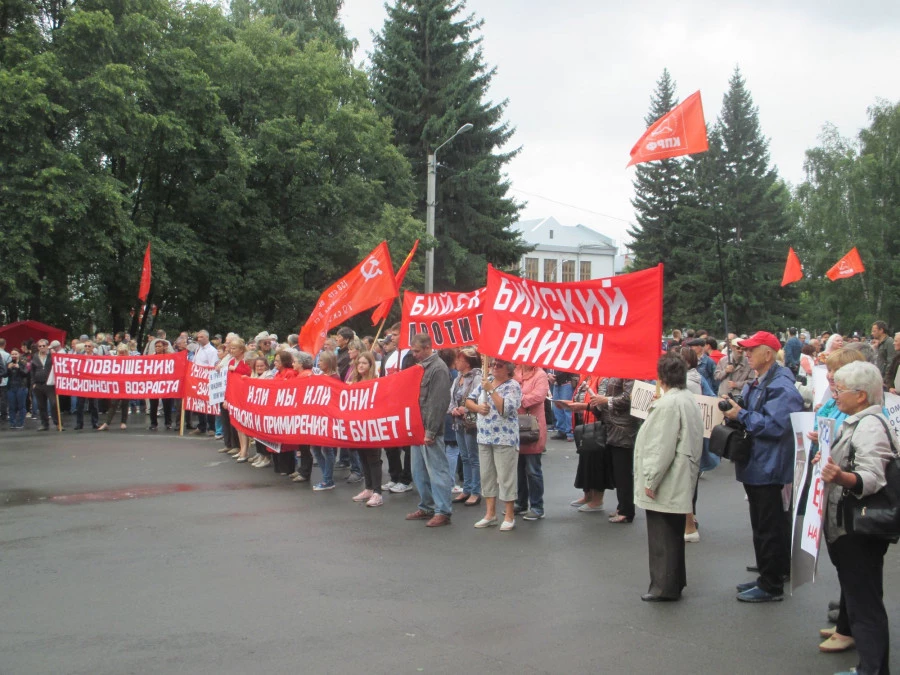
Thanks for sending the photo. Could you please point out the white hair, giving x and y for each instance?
(862, 376)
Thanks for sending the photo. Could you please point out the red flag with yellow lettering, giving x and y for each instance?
(366, 285)
(681, 131)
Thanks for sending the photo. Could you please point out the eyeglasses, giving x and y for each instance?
(837, 392)
(498, 365)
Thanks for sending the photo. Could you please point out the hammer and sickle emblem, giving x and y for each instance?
(370, 269)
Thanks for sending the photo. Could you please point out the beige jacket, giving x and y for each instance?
(871, 443)
(667, 453)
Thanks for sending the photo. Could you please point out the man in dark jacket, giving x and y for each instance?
(770, 398)
(430, 468)
(44, 385)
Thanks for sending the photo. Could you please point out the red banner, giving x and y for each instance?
(196, 390)
(321, 410)
(681, 131)
(366, 285)
(609, 327)
(451, 319)
(160, 376)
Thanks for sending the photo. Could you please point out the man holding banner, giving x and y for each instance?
(770, 399)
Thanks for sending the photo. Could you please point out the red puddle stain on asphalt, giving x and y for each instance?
(142, 491)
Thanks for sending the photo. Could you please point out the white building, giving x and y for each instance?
(565, 252)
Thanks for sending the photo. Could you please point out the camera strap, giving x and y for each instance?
(762, 386)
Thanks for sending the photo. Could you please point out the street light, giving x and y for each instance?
(429, 206)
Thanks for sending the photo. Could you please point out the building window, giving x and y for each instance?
(568, 270)
(585, 271)
(551, 234)
(531, 268)
(550, 269)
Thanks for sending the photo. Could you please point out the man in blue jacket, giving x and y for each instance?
(770, 399)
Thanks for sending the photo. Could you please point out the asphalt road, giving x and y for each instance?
(131, 552)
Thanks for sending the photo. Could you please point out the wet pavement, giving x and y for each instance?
(132, 552)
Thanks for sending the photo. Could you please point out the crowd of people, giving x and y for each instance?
(487, 422)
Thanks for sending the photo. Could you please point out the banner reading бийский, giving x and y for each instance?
(158, 376)
(451, 319)
(609, 327)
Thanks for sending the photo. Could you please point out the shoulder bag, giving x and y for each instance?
(877, 515)
(529, 429)
(590, 437)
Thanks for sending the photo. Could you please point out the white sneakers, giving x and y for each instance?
(400, 488)
(389, 485)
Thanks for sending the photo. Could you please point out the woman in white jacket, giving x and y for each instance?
(666, 464)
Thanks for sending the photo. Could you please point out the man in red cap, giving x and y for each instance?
(770, 398)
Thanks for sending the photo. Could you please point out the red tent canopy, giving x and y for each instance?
(16, 333)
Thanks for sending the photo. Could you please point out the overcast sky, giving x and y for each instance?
(579, 74)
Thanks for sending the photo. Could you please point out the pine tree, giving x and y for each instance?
(752, 213)
(429, 78)
(659, 189)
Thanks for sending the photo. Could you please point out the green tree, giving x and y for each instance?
(429, 78)
(851, 197)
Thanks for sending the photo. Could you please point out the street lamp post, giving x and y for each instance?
(429, 207)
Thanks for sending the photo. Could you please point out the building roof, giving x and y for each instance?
(548, 233)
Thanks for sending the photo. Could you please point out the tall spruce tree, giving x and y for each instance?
(749, 205)
(429, 78)
(659, 188)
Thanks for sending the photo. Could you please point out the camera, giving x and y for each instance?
(725, 405)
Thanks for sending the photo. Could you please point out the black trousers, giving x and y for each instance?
(665, 540)
(860, 566)
(229, 433)
(370, 458)
(623, 475)
(304, 461)
(93, 410)
(154, 411)
(771, 536)
(46, 395)
(400, 472)
(206, 422)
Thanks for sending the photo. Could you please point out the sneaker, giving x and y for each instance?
(508, 525)
(518, 509)
(746, 586)
(354, 477)
(456, 490)
(319, 487)
(756, 594)
(387, 487)
(363, 496)
(693, 537)
(219, 437)
(375, 500)
(294, 475)
(300, 479)
(400, 488)
(263, 464)
(531, 514)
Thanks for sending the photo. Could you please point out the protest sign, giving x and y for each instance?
(218, 381)
(892, 405)
(451, 319)
(196, 390)
(158, 376)
(803, 566)
(821, 388)
(321, 410)
(811, 532)
(608, 327)
(642, 396)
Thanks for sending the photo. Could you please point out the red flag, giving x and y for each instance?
(681, 131)
(366, 285)
(144, 290)
(793, 270)
(608, 327)
(847, 266)
(385, 307)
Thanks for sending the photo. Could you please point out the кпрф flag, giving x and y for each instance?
(681, 131)
(847, 266)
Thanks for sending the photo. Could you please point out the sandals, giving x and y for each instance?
(619, 518)
(461, 497)
(473, 500)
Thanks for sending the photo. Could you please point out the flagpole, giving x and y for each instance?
(379, 331)
(722, 282)
(58, 411)
(181, 429)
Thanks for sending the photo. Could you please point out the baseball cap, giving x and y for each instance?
(696, 342)
(761, 338)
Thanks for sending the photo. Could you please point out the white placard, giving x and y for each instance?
(892, 405)
(815, 501)
(821, 388)
(643, 395)
(217, 381)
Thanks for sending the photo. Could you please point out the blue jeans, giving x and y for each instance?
(563, 392)
(468, 450)
(16, 398)
(431, 474)
(325, 458)
(531, 483)
(219, 425)
(73, 405)
(452, 450)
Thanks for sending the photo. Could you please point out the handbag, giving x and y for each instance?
(470, 421)
(877, 515)
(590, 437)
(731, 442)
(529, 429)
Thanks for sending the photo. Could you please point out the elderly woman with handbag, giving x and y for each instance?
(854, 473)
(497, 402)
(666, 465)
(465, 424)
